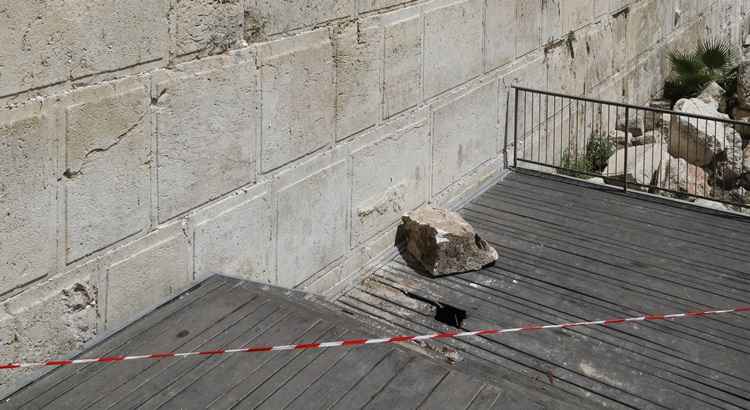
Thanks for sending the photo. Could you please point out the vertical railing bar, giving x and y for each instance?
(515, 128)
(627, 140)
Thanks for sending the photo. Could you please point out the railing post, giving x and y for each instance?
(627, 142)
(515, 130)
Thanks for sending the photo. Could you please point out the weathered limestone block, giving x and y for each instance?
(528, 19)
(54, 319)
(575, 14)
(49, 42)
(312, 224)
(207, 128)
(699, 141)
(238, 241)
(359, 56)
(676, 174)
(743, 84)
(116, 34)
(107, 183)
(402, 76)
(28, 243)
(643, 163)
(390, 177)
(643, 27)
(465, 135)
(207, 26)
(746, 159)
(146, 273)
(444, 243)
(598, 46)
(550, 19)
(297, 76)
(370, 5)
(281, 16)
(565, 73)
(453, 45)
(501, 33)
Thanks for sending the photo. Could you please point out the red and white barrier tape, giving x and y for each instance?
(360, 342)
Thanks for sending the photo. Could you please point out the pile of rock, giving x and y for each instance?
(686, 154)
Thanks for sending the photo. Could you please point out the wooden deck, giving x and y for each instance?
(224, 313)
(570, 252)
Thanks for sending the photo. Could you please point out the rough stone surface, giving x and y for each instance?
(699, 141)
(575, 13)
(207, 128)
(297, 77)
(676, 174)
(27, 200)
(58, 324)
(402, 75)
(464, 135)
(281, 16)
(133, 285)
(359, 57)
(370, 5)
(207, 26)
(313, 224)
(620, 137)
(444, 243)
(501, 29)
(232, 242)
(52, 41)
(743, 84)
(107, 170)
(643, 163)
(453, 33)
(528, 18)
(714, 96)
(390, 177)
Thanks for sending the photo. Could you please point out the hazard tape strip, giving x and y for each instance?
(361, 342)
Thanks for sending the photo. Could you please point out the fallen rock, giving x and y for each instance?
(676, 174)
(698, 140)
(714, 96)
(707, 203)
(643, 162)
(656, 120)
(635, 123)
(746, 160)
(620, 137)
(443, 242)
(743, 84)
(742, 114)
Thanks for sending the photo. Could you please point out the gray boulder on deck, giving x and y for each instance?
(443, 242)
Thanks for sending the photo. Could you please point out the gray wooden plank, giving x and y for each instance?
(262, 316)
(340, 378)
(410, 387)
(234, 371)
(64, 379)
(279, 395)
(485, 399)
(171, 335)
(457, 391)
(152, 396)
(274, 375)
(570, 353)
(371, 384)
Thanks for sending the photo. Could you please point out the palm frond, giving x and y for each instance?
(715, 53)
(685, 63)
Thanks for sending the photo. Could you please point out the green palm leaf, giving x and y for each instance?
(715, 54)
(684, 63)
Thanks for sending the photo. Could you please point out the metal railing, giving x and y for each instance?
(638, 148)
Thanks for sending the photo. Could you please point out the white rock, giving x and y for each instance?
(698, 140)
(643, 162)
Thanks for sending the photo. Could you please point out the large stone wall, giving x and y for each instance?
(145, 144)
